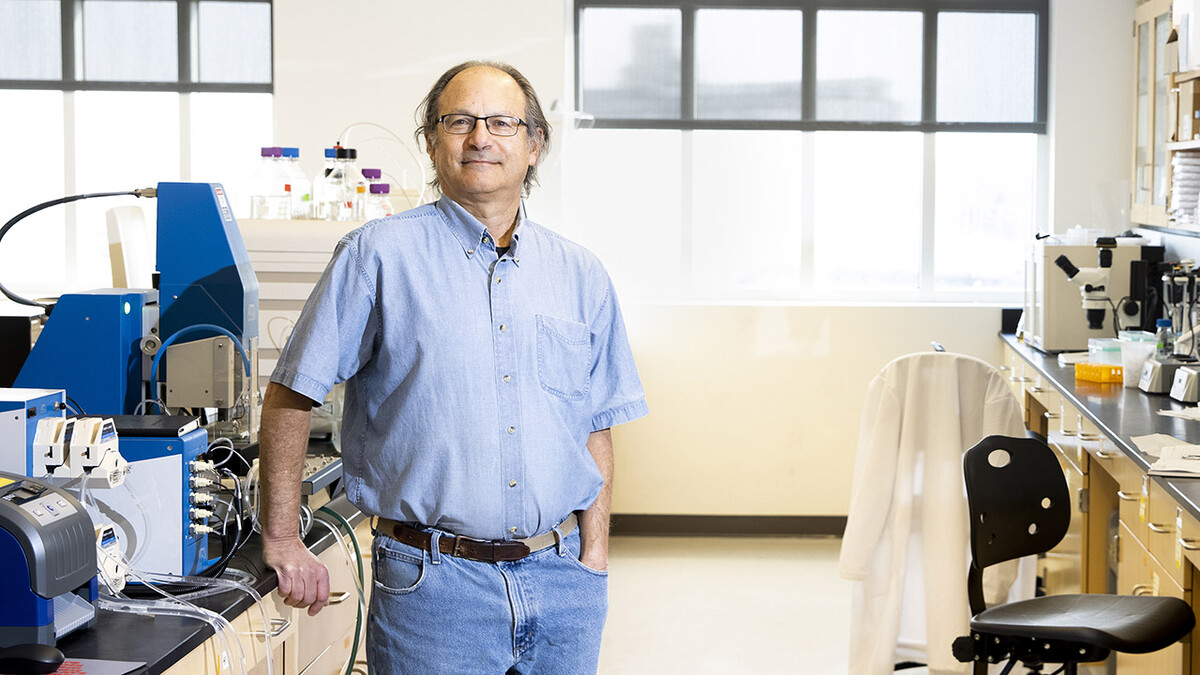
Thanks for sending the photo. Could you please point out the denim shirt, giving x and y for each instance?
(472, 381)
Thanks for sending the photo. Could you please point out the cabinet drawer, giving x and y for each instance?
(323, 631)
(1163, 530)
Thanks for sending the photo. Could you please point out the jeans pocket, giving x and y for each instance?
(564, 357)
(396, 572)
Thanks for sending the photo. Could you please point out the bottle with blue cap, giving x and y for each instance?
(327, 187)
(1165, 337)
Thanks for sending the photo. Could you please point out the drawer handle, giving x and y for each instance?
(277, 625)
(1088, 437)
(1189, 544)
(338, 597)
(1051, 416)
(1068, 432)
(1107, 455)
(1127, 497)
(1142, 589)
(1038, 390)
(1020, 379)
(1160, 529)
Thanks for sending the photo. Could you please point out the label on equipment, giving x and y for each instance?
(226, 214)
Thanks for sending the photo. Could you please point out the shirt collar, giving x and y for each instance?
(471, 233)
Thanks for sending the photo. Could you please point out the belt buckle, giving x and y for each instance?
(459, 539)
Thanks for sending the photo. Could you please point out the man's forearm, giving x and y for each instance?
(594, 522)
(284, 441)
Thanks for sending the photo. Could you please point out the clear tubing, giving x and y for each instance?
(139, 551)
(218, 585)
(240, 652)
(362, 600)
(168, 608)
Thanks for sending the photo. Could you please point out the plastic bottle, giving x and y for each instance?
(1165, 338)
(301, 186)
(354, 186)
(378, 203)
(270, 199)
(327, 187)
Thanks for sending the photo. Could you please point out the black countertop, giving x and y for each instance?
(1121, 413)
(161, 641)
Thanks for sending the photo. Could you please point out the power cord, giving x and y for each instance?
(142, 192)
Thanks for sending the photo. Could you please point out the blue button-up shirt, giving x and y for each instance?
(472, 380)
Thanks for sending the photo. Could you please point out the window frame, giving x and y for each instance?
(188, 76)
(930, 10)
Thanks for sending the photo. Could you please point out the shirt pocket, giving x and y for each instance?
(564, 357)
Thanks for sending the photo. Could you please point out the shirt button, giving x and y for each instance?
(512, 483)
(503, 328)
(470, 251)
(508, 378)
(512, 430)
(512, 529)
(497, 279)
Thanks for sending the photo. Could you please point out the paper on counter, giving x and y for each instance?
(1071, 358)
(1180, 461)
(1186, 413)
(1152, 444)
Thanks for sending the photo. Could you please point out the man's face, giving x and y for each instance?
(479, 166)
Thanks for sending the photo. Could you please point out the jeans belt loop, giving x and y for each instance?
(435, 548)
(558, 542)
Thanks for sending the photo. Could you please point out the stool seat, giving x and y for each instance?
(1133, 624)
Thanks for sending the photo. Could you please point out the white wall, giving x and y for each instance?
(338, 63)
(754, 410)
(1091, 113)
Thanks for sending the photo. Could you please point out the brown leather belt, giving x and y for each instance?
(475, 549)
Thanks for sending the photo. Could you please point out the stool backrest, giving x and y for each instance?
(1017, 498)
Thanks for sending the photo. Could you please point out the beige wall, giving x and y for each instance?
(755, 409)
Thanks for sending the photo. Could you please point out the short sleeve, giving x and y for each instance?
(336, 333)
(615, 392)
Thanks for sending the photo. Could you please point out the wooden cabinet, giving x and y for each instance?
(1140, 573)
(1151, 169)
(300, 643)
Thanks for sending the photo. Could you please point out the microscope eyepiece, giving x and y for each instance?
(1064, 263)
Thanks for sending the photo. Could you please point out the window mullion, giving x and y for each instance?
(687, 65)
(808, 73)
(928, 215)
(929, 68)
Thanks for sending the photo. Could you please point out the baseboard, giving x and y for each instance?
(645, 524)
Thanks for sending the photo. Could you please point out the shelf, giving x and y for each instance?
(1184, 145)
(1185, 76)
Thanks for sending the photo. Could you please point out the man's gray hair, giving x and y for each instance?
(535, 119)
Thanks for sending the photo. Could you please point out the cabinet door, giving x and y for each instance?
(1152, 25)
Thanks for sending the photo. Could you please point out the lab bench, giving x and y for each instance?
(1130, 533)
(301, 643)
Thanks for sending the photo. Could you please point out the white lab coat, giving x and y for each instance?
(906, 539)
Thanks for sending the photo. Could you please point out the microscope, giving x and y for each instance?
(1093, 287)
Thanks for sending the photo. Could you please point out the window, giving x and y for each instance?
(107, 95)
(810, 149)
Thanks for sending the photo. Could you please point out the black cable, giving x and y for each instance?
(78, 408)
(146, 192)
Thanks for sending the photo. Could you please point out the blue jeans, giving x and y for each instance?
(436, 614)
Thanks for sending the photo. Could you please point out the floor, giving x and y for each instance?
(726, 605)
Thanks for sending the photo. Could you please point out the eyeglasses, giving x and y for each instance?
(497, 125)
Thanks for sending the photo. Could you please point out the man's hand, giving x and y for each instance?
(595, 560)
(593, 522)
(303, 580)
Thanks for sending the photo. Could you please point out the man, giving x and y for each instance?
(485, 359)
